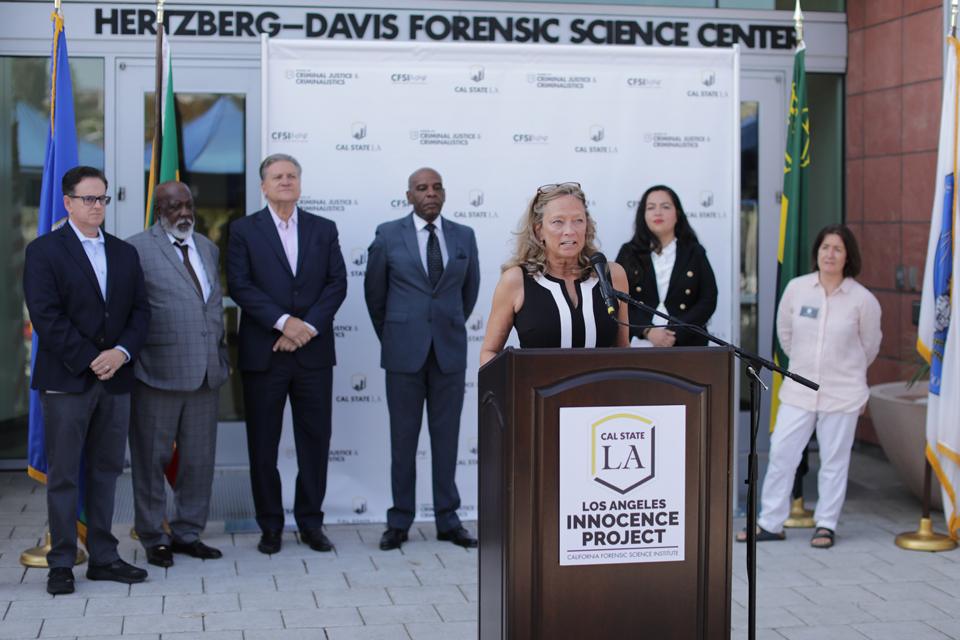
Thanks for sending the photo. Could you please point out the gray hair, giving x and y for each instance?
(278, 157)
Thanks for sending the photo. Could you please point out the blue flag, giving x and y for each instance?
(61, 156)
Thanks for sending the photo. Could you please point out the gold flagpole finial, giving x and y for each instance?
(159, 13)
(953, 19)
(56, 6)
(798, 22)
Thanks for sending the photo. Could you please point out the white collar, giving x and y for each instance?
(421, 224)
(292, 220)
(83, 238)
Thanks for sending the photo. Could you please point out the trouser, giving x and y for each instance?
(835, 432)
(406, 393)
(311, 403)
(159, 419)
(98, 421)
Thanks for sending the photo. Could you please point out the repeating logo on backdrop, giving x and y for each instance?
(706, 198)
(596, 132)
(358, 130)
(358, 256)
(358, 382)
(623, 451)
(289, 74)
(473, 445)
(708, 77)
(359, 506)
(475, 199)
(476, 72)
(475, 322)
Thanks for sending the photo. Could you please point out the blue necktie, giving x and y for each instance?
(434, 257)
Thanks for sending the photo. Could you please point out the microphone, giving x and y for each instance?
(597, 261)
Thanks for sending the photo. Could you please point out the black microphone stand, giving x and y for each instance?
(754, 365)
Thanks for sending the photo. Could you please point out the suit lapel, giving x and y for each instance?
(450, 238)
(264, 222)
(210, 266)
(679, 265)
(305, 228)
(172, 254)
(73, 246)
(409, 233)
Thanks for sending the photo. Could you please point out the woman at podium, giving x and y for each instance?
(548, 290)
(829, 327)
(667, 269)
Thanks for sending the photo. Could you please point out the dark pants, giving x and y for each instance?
(159, 419)
(311, 400)
(98, 420)
(406, 393)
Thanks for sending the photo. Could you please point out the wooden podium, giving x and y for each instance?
(525, 593)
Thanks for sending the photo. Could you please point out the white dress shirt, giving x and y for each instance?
(423, 236)
(830, 340)
(291, 247)
(195, 261)
(96, 251)
(663, 264)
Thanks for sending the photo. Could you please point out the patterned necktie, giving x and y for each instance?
(434, 257)
(186, 262)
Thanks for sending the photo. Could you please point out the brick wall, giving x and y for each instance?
(894, 74)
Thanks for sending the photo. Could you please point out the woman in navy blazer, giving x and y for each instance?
(662, 229)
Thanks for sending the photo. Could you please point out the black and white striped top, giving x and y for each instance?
(548, 319)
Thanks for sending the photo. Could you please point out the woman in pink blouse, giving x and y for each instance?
(829, 328)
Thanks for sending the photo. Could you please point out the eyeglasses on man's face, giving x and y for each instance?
(91, 200)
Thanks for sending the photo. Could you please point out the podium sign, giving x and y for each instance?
(621, 484)
(605, 493)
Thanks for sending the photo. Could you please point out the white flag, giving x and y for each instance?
(938, 310)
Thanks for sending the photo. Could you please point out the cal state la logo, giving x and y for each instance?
(358, 256)
(475, 197)
(473, 446)
(359, 506)
(706, 198)
(358, 382)
(623, 451)
(475, 322)
(596, 132)
(708, 77)
(358, 130)
(476, 72)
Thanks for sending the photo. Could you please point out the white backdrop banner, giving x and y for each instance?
(496, 121)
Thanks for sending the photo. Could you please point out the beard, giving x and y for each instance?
(181, 234)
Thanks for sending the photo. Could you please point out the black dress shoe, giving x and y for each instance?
(160, 555)
(317, 540)
(117, 571)
(458, 536)
(392, 538)
(270, 541)
(60, 581)
(197, 549)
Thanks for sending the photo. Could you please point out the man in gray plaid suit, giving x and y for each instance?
(183, 363)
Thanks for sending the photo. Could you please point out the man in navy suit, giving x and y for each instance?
(88, 304)
(286, 271)
(422, 280)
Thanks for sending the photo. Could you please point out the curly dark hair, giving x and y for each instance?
(644, 241)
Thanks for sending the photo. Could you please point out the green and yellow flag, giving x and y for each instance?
(169, 142)
(794, 205)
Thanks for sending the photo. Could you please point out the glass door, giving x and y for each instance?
(763, 116)
(218, 118)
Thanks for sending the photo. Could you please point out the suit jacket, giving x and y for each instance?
(408, 314)
(186, 341)
(261, 282)
(691, 297)
(72, 320)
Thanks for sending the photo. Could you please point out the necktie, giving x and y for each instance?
(186, 262)
(434, 257)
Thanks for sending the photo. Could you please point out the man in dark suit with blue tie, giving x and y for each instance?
(422, 280)
(88, 304)
(286, 272)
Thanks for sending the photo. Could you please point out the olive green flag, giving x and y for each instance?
(794, 205)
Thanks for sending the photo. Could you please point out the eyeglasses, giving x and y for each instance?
(550, 188)
(90, 200)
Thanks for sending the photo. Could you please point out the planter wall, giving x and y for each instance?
(900, 419)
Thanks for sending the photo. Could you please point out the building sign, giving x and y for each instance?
(291, 22)
(622, 484)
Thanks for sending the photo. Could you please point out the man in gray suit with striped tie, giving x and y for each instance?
(183, 363)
